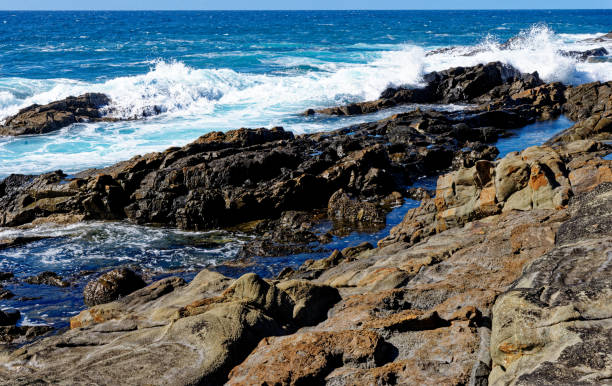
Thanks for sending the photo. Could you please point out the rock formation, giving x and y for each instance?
(38, 119)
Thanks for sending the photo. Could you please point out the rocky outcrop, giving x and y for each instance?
(537, 178)
(455, 85)
(554, 325)
(584, 55)
(111, 286)
(173, 333)
(225, 179)
(591, 106)
(603, 38)
(38, 119)
(409, 314)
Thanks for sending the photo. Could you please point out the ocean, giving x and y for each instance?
(207, 71)
(221, 70)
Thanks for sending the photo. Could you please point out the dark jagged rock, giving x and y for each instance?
(584, 55)
(591, 106)
(6, 275)
(111, 286)
(47, 278)
(603, 38)
(225, 179)
(18, 241)
(38, 119)
(455, 85)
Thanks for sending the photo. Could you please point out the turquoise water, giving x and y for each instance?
(223, 70)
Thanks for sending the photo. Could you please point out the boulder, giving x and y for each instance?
(38, 119)
(111, 286)
(312, 301)
(8, 318)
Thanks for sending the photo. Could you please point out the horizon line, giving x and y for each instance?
(302, 10)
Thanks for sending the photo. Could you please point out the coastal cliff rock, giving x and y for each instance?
(502, 277)
(38, 119)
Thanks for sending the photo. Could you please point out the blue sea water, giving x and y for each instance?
(221, 70)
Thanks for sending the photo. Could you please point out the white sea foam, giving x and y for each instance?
(194, 101)
(536, 49)
(103, 244)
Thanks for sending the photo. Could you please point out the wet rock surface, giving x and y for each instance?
(223, 180)
(474, 84)
(111, 286)
(38, 119)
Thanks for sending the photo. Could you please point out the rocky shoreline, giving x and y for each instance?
(500, 276)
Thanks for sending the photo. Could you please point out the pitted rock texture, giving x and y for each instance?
(554, 326)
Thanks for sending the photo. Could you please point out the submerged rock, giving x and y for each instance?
(111, 286)
(38, 119)
(5, 294)
(47, 278)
